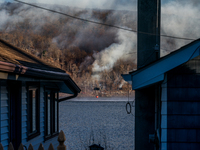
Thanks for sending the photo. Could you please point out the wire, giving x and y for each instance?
(147, 59)
(95, 22)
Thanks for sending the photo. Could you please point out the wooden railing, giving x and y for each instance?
(61, 146)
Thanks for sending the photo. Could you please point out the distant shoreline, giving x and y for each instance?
(102, 99)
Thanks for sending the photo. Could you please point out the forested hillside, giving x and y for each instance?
(86, 51)
(94, 55)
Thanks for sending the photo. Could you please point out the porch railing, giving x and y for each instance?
(61, 146)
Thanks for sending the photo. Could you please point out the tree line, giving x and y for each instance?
(70, 45)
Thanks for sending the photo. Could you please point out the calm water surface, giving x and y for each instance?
(105, 122)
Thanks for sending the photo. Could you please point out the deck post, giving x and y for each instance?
(1, 147)
(61, 140)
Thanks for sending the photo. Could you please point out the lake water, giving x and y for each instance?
(103, 121)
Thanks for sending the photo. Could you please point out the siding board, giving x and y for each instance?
(4, 114)
(4, 95)
(164, 114)
(4, 110)
(183, 121)
(183, 135)
(184, 108)
(4, 103)
(4, 143)
(4, 136)
(4, 89)
(183, 94)
(24, 114)
(24, 118)
(4, 130)
(183, 146)
(24, 107)
(4, 123)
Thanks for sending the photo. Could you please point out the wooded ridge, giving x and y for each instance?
(72, 45)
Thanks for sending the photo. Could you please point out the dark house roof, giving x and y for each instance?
(14, 55)
(155, 71)
(18, 61)
(96, 147)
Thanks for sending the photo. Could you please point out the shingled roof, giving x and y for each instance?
(16, 60)
(11, 54)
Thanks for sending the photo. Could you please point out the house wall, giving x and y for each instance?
(39, 139)
(4, 114)
(163, 140)
(183, 106)
(4, 123)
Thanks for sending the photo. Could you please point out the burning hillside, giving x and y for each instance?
(94, 55)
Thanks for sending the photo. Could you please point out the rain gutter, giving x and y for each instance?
(23, 70)
(67, 98)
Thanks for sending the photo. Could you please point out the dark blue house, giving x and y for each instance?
(29, 96)
(170, 88)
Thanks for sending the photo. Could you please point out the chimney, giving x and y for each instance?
(148, 41)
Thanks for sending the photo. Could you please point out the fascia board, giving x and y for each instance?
(147, 83)
(127, 77)
(142, 77)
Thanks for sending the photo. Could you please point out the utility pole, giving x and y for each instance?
(148, 50)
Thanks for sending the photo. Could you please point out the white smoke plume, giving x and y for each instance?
(94, 4)
(179, 19)
(106, 59)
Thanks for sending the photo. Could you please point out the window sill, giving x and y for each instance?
(51, 136)
(33, 135)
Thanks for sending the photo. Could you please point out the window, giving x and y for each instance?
(51, 113)
(33, 112)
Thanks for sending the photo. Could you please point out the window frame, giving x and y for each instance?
(32, 134)
(53, 131)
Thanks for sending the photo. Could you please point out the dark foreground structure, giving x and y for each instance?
(167, 100)
(168, 113)
(29, 96)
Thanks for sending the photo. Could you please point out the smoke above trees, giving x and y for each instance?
(87, 50)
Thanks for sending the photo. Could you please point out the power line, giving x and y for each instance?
(99, 23)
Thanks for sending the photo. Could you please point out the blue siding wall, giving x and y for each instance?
(24, 113)
(4, 108)
(39, 139)
(183, 106)
(164, 115)
(4, 115)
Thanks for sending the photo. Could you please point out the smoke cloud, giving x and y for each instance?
(180, 19)
(94, 4)
(106, 59)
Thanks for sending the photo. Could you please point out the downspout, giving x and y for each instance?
(67, 98)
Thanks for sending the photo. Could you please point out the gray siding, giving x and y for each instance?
(4, 115)
(183, 106)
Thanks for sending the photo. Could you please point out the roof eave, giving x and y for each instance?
(38, 73)
(155, 72)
